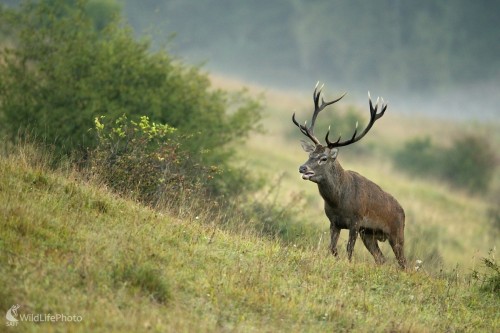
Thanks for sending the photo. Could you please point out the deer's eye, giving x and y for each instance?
(323, 159)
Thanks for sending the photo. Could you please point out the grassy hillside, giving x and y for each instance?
(70, 247)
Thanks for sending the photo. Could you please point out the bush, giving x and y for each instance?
(469, 163)
(418, 156)
(62, 72)
(490, 279)
(144, 160)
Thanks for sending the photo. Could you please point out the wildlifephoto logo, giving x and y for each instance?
(13, 317)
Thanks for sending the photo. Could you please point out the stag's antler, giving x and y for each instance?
(373, 117)
(309, 131)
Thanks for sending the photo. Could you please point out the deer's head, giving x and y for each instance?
(319, 163)
(322, 157)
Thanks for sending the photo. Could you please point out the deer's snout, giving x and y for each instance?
(306, 172)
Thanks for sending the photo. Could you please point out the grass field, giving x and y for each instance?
(69, 246)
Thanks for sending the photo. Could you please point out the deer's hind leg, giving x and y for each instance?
(370, 241)
(397, 241)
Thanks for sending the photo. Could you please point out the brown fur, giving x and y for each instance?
(355, 203)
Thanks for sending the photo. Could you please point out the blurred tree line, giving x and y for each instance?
(419, 45)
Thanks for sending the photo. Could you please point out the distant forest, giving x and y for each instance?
(401, 45)
(406, 45)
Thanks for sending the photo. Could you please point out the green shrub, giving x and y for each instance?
(418, 156)
(144, 160)
(469, 163)
(490, 278)
(61, 73)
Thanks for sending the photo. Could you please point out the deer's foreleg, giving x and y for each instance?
(334, 237)
(353, 235)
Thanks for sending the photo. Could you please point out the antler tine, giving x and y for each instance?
(309, 130)
(374, 116)
(305, 130)
(324, 104)
(384, 107)
(331, 144)
(338, 143)
(318, 108)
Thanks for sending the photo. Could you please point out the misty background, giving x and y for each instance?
(432, 57)
(438, 58)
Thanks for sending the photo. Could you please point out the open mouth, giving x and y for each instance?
(307, 175)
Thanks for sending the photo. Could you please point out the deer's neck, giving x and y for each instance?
(332, 187)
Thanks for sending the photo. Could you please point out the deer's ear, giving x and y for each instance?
(307, 146)
(333, 153)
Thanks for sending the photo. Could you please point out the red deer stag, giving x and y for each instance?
(352, 201)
